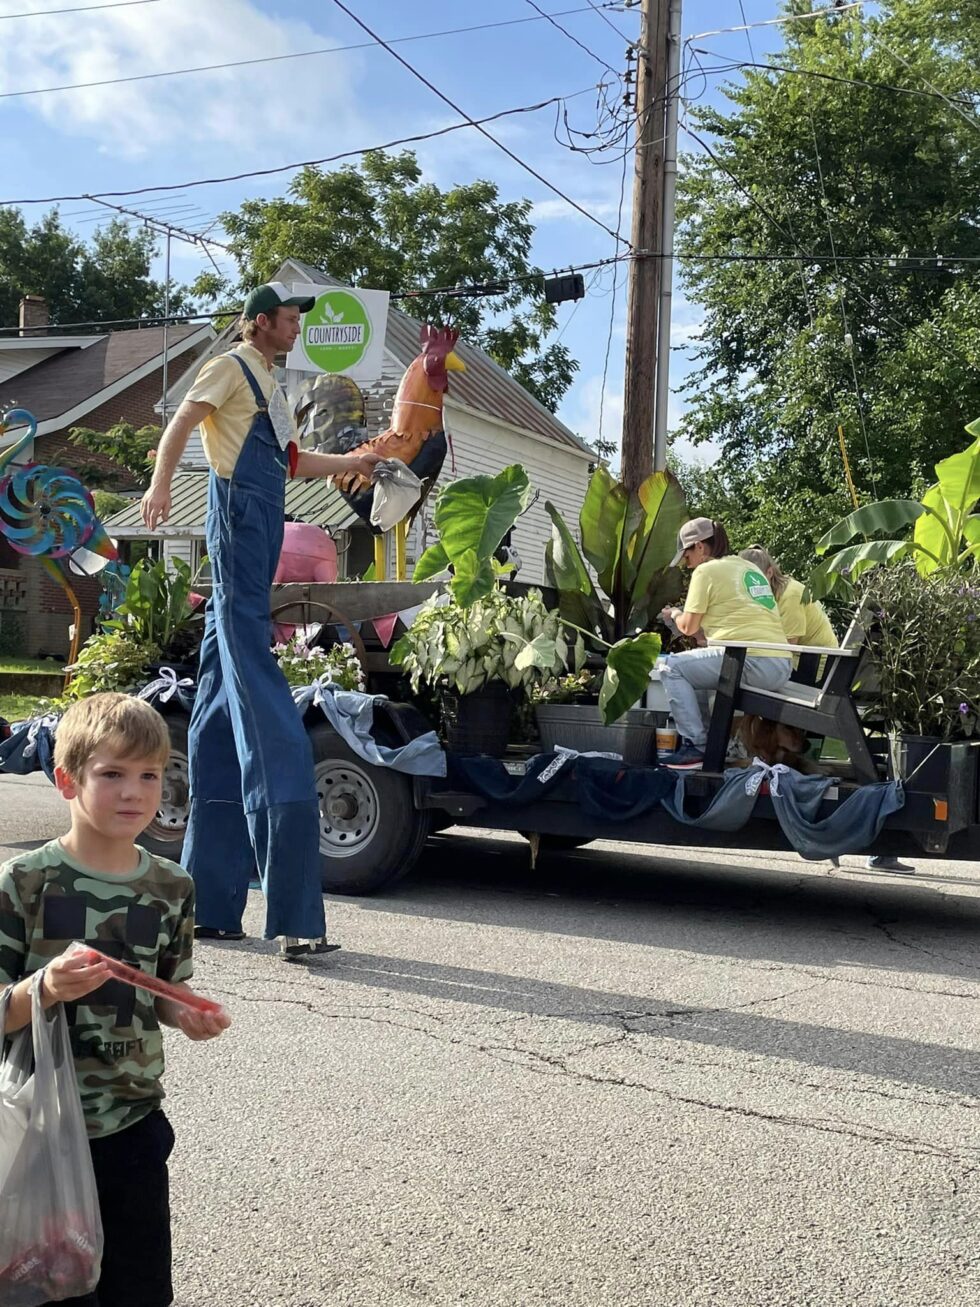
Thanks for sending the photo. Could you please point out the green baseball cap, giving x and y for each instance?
(274, 295)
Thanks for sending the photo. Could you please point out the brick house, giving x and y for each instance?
(94, 381)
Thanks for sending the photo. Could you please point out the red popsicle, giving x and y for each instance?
(133, 976)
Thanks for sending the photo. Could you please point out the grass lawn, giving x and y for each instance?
(17, 707)
(28, 665)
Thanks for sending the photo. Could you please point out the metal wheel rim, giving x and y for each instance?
(170, 823)
(349, 808)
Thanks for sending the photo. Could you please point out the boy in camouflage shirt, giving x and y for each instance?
(96, 886)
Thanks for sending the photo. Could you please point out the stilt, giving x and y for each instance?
(380, 571)
(401, 538)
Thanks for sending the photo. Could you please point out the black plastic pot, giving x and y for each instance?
(947, 768)
(479, 722)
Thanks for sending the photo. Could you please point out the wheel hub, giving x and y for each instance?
(349, 808)
(171, 818)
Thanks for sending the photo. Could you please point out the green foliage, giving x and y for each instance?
(104, 280)
(108, 503)
(380, 225)
(945, 529)
(113, 660)
(156, 609)
(500, 637)
(472, 516)
(629, 539)
(926, 645)
(776, 374)
(11, 633)
(126, 445)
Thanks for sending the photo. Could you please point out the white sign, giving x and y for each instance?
(344, 332)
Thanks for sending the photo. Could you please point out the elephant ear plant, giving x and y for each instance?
(629, 539)
(945, 528)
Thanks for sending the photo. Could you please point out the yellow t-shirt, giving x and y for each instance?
(222, 382)
(805, 623)
(737, 604)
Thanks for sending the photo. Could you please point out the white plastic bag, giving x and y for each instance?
(50, 1227)
(396, 492)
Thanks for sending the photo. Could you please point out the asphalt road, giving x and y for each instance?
(621, 1079)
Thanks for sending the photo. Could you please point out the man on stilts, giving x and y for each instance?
(253, 795)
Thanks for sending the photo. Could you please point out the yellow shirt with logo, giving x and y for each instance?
(805, 623)
(222, 382)
(736, 603)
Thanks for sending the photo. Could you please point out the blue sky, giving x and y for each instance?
(170, 130)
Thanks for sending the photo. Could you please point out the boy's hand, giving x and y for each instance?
(200, 1025)
(67, 979)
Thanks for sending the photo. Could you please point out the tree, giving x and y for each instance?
(381, 226)
(105, 281)
(871, 339)
(126, 445)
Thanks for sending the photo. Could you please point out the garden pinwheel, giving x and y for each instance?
(46, 513)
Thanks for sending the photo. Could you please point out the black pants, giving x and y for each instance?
(134, 1198)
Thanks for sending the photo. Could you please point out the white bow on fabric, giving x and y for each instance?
(50, 720)
(761, 771)
(165, 686)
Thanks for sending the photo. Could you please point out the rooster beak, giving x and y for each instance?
(454, 363)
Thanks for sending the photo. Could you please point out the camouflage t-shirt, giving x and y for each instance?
(145, 918)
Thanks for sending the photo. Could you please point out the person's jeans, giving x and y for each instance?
(689, 679)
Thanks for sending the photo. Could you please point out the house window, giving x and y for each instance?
(200, 567)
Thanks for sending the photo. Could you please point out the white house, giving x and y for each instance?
(492, 421)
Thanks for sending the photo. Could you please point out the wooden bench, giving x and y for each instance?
(827, 709)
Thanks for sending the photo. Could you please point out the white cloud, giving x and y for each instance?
(249, 108)
(585, 404)
(685, 333)
(559, 210)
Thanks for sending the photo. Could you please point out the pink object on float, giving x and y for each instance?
(308, 554)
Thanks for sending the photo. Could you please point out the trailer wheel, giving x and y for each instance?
(165, 833)
(371, 833)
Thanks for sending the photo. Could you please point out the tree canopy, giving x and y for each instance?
(380, 225)
(854, 157)
(106, 280)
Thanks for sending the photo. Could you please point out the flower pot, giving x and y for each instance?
(478, 722)
(580, 727)
(942, 767)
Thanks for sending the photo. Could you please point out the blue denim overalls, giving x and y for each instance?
(253, 796)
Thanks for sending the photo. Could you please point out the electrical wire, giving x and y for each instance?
(78, 9)
(748, 37)
(267, 59)
(574, 39)
(971, 119)
(306, 163)
(608, 21)
(834, 12)
(482, 130)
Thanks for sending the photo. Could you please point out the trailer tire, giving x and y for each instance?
(371, 832)
(165, 834)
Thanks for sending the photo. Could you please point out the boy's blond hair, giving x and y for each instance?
(126, 727)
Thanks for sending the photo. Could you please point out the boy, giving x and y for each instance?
(96, 886)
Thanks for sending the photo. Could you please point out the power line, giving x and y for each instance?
(574, 39)
(608, 21)
(306, 163)
(748, 37)
(269, 59)
(483, 132)
(971, 119)
(78, 9)
(836, 11)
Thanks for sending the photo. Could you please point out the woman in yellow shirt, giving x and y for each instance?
(728, 599)
(803, 623)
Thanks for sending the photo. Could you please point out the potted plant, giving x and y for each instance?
(478, 656)
(302, 663)
(924, 685)
(628, 539)
(159, 611)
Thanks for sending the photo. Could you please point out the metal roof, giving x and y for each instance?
(314, 501)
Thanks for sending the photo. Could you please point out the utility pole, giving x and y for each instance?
(667, 242)
(647, 238)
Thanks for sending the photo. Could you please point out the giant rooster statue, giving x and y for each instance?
(47, 513)
(333, 409)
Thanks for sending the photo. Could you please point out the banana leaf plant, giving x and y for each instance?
(628, 538)
(945, 528)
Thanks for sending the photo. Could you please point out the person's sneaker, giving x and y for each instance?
(686, 758)
(292, 949)
(208, 932)
(882, 862)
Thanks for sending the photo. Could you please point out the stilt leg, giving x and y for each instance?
(401, 537)
(379, 559)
